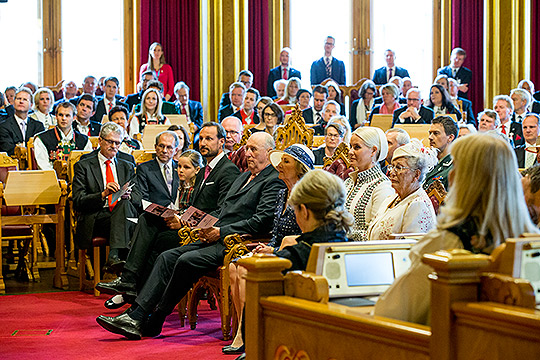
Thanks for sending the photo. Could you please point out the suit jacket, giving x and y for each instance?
(426, 115)
(87, 188)
(120, 155)
(7, 112)
(516, 133)
(520, 155)
(11, 135)
(379, 77)
(463, 76)
(318, 71)
(250, 209)
(224, 101)
(535, 108)
(276, 74)
(224, 112)
(133, 99)
(101, 109)
(536, 96)
(150, 184)
(209, 195)
(93, 126)
(195, 112)
(308, 115)
(467, 108)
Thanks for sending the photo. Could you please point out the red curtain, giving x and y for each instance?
(175, 25)
(535, 46)
(258, 43)
(468, 33)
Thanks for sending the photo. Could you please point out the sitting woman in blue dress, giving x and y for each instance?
(292, 164)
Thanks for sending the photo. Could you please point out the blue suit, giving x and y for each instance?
(379, 77)
(463, 76)
(318, 71)
(276, 74)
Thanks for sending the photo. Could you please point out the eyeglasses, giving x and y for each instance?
(333, 136)
(232, 132)
(397, 168)
(270, 115)
(409, 99)
(112, 142)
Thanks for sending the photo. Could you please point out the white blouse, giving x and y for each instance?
(366, 191)
(414, 214)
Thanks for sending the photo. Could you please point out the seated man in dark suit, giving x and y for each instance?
(95, 179)
(135, 99)
(414, 112)
(314, 115)
(154, 235)
(457, 71)
(237, 93)
(330, 109)
(233, 128)
(191, 108)
(466, 105)
(110, 100)
(89, 86)
(283, 71)
(18, 128)
(69, 91)
(328, 66)
(58, 142)
(86, 108)
(385, 73)
(248, 208)
(521, 99)
(119, 115)
(245, 77)
(531, 131)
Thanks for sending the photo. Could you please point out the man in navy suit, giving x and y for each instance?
(384, 74)
(135, 99)
(18, 128)
(86, 107)
(531, 131)
(466, 105)
(314, 115)
(89, 86)
(110, 100)
(236, 94)
(457, 71)
(248, 208)
(414, 112)
(245, 77)
(283, 71)
(328, 66)
(184, 106)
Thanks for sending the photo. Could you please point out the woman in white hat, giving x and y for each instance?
(367, 187)
(410, 210)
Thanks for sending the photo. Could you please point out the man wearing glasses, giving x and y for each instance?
(58, 142)
(328, 67)
(414, 112)
(95, 181)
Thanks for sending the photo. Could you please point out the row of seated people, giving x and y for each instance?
(324, 208)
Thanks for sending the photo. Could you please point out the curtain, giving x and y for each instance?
(258, 43)
(535, 39)
(468, 34)
(175, 25)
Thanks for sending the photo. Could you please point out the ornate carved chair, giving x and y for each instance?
(294, 131)
(339, 164)
(437, 194)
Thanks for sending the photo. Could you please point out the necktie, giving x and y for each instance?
(109, 177)
(389, 74)
(328, 67)
(318, 118)
(454, 71)
(183, 110)
(168, 177)
(503, 129)
(23, 130)
(207, 171)
(285, 74)
(110, 106)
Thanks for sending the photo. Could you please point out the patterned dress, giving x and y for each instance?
(284, 221)
(414, 214)
(366, 191)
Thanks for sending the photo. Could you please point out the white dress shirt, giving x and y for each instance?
(42, 154)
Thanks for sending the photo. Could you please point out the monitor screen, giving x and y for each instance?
(365, 269)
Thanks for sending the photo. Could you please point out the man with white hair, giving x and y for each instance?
(396, 137)
(248, 208)
(233, 127)
(504, 106)
(414, 112)
(466, 105)
(488, 120)
(279, 88)
(521, 99)
(283, 71)
(330, 109)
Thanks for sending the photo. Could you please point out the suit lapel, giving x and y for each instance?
(159, 176)
(96, 171)
(175, 179)
(17, 129)
(198, 181)
(237, 185)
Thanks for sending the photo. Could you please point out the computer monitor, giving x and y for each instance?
(355, 269)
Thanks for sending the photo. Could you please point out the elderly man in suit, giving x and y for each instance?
(414, 112)
(385, 73)
(246, 78)
(283, 71)
(96, 178)
(154, 235)
(531, 131)
(18, 127)
(236, 94)
(248, 208)
(328, 66)
(184, 106)
(89, 86)
(457, 71)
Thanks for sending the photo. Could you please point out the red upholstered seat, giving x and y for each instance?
(99, 241)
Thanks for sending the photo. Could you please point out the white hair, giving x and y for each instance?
(373, 137)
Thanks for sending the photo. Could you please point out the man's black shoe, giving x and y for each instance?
(229, 349)
(110, 304)
(121, 324)
(116, 286)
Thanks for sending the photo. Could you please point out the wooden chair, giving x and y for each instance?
(294, 131)
(150, 132)
(437, 194)
(339, 164)
(217, 282)
(143, 155)
(318, 141)
(95, 142)
(31, 189)
(475, 315)
(419, 131)
(246, 133)
(382, 121)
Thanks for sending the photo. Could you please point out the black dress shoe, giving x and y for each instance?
(121, 324)
(229, 349)
(115, 287)
(110, 304)
(241, 357)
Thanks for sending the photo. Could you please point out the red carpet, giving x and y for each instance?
(62, 325)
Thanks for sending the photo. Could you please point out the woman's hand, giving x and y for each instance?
(263, 249)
